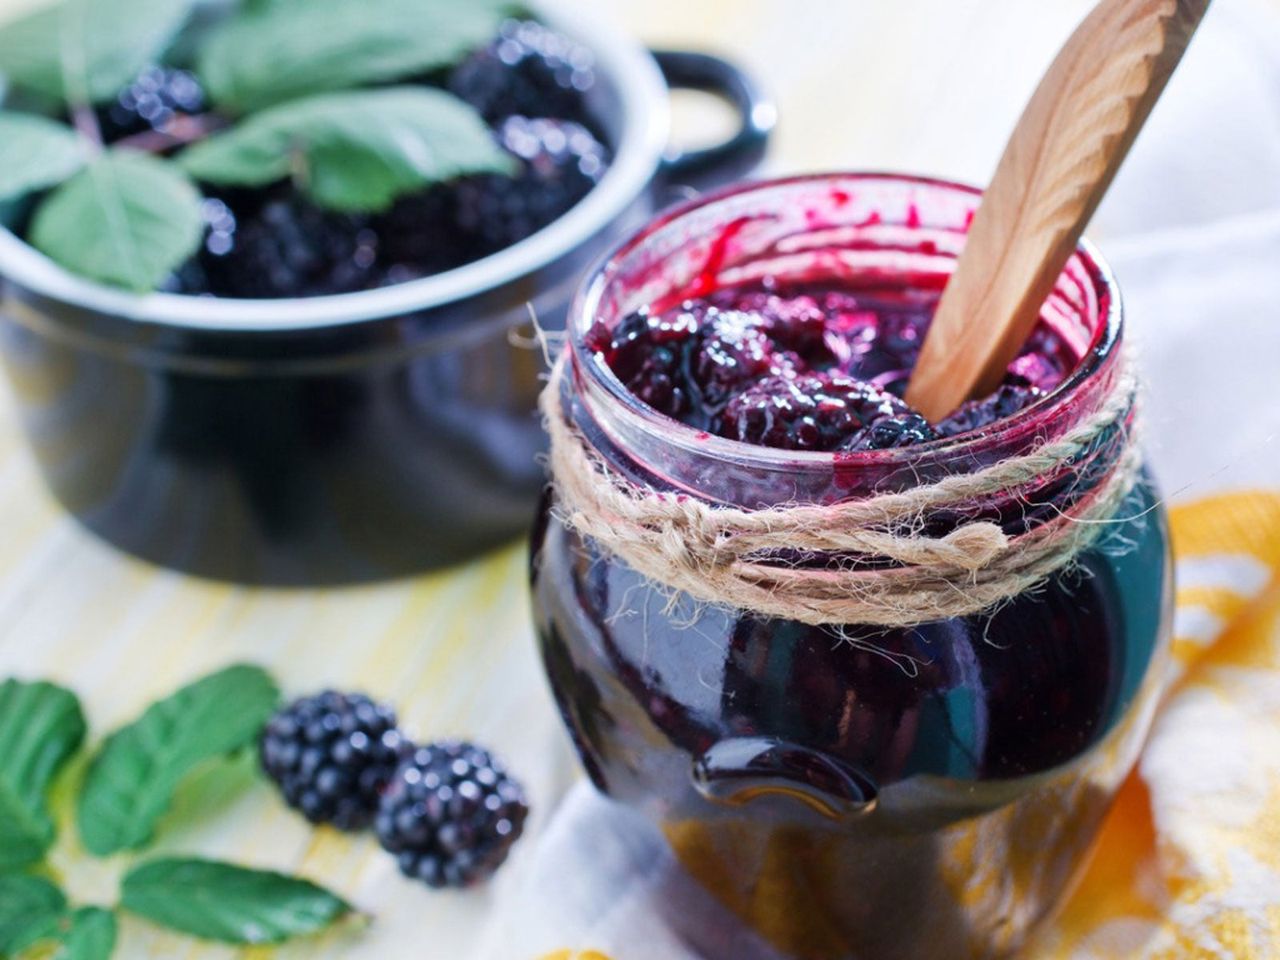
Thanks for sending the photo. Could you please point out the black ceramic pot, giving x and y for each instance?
(340, 438)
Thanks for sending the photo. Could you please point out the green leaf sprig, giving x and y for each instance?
(131, 782)
(354, 151)
(128, 788)
(292, 92)
(216, 901)
(120, 220)
(41, 728)
(271, 55)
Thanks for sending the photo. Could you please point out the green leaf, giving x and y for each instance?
(82, 51)
(131, 782)
(217, 901)
(41, 726)
(25, 834)
(87, 934)
(27, 905)
(92, 936)
(353, 151)
(35, 153)
(276, 52)
(127, 219)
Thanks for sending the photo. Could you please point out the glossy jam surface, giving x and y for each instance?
(806, 367)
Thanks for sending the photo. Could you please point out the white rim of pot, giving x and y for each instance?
(644, 97)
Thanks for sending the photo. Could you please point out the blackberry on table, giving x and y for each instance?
(155, 98)
(450, 815)
(528, 69)
(332, 755)
(562, 162)
(282, 245)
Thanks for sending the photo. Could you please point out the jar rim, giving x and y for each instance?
(588, 363)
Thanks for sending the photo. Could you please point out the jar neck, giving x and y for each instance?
(850, 231)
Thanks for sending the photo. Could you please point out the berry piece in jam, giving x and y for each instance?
(650, 356)
(977, 414)
(798, 325)
(813, 412)
(888, 433)
(738, 352)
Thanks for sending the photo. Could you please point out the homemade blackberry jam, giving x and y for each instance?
(847, 792)
(806, 367)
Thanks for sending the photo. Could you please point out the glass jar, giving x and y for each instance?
(854, 792)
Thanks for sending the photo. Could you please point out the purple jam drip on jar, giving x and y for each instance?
(807, 367)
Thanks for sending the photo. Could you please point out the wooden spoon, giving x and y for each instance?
(1061, 159)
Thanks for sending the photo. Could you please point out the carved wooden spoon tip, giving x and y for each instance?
(1059, 163)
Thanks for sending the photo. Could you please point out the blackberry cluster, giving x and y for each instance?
(419, 235)
(280, 245)
(156, 97)
(530, 84)
(332, 755)
(560, 163)
(528, 70)
(451, 815)
(448, 811)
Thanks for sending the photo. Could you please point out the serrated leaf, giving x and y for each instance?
(27, 905)
(35, 153)
(131, 782)
(218, 901)
(87, 934)
(127, 219)
(41, 726)
(353, 151)
(87, 50)
(276, 52)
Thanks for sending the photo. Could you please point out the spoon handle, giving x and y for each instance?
(1059, 162)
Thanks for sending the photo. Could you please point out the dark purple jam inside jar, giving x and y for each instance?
(807, 366)
(846, 792)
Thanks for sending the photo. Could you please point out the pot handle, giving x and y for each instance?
(737, 156)
(740, 770)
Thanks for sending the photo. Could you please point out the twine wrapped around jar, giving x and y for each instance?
(880, 569)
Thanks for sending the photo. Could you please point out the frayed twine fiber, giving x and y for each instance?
(726, 556)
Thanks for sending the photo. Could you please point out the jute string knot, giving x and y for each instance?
(864, 561)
